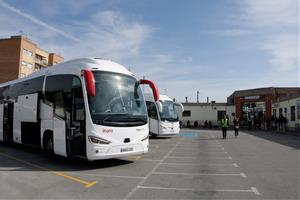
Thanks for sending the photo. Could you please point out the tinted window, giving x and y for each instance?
(221, 114)
(186, 113)
(58, 93)
(26, 87)
(31, 86)
(151, 109)
(118, 100)
(293, 113)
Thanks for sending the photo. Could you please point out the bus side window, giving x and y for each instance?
(151, 108)
(58, 93)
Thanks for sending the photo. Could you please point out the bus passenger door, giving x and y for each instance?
(153, 118)
(8, 118)
(78, 144)
(1, 121)
(59, 137)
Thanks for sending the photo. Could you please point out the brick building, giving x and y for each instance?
(20, 57)
(258, 101)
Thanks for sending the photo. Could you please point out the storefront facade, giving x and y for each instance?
(256, 104)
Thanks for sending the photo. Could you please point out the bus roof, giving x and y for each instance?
(149, 97)
(75, 66)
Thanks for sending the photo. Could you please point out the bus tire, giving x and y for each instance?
(48, 142)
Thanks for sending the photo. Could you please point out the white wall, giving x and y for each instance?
(287, 104)
(201, 113)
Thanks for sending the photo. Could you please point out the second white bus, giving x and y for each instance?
(163, 116)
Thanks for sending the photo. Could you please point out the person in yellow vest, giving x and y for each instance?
(224, 125)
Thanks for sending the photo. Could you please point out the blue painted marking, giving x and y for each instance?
(187, 134)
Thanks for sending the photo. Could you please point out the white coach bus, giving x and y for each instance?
(88, 108)
(163, 116)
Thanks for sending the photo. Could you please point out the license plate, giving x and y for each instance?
(127, 149)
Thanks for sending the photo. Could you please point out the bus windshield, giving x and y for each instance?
(168, 111)
(118, 101)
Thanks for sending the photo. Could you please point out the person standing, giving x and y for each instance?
(236, 124)
(224, 125)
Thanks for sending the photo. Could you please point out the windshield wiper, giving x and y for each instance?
(111, 116)
(124, 118)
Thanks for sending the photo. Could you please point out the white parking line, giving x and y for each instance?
(201, 152)
(10, 168)
(199, 174)
(235, 165)
(252, 190)
(200, 145)
(197, 148)
(150, 173)
(191, 164)
(107, 175)
(150, 160)
(194, 157)
(243, 175)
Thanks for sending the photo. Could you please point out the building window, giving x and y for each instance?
(221, 113)
(293, 113)
(22, 75)
(274, 113)
(186, 113)
(29, 65)
(27, 52)
(280, 111)
(30, 53)
(298, 108)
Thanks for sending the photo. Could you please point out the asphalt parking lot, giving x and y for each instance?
(197, 164)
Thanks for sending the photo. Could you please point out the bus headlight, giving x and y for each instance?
(97, 140)
(163, 127)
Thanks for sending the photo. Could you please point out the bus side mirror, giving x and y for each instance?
(152, 86)
(159, 106)
(180, 106)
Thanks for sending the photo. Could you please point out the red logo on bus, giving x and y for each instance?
(107, 130)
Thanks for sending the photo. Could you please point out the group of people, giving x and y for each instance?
(225, 126)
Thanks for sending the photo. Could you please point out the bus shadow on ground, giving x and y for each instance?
(161, 137)
(21, 158)
(280, 138)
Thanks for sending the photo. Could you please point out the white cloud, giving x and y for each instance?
(37, 21)
(270, 12)
(278, 24)
(103, 34)
(232, 32)
(284, 51)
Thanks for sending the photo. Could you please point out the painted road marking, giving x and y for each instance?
(255, 190)
(86, 184)
(235, 165)
(192, 157)
(133, 191)
(190, 164)
(151, 160)
(135, 157)
(196, 148)
(199, 174)
(201, 152)
(10, 168)
(252, 190)
(243, 175)
(107, 175)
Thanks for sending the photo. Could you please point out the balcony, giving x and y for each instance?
(41, 62)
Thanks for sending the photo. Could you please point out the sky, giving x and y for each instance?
(184, 46)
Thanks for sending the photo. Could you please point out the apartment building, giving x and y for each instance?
(20, 57)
